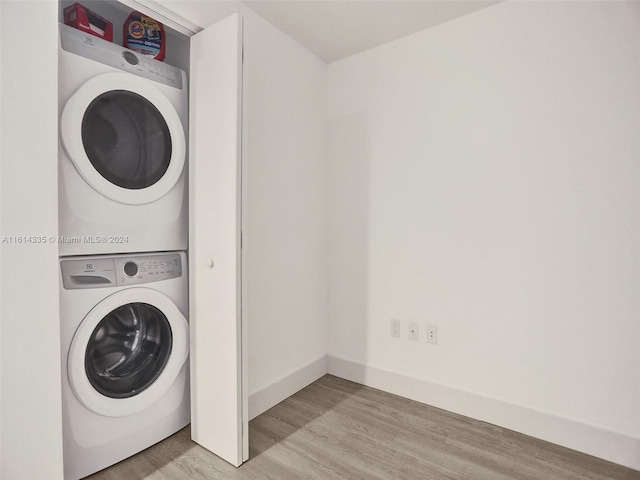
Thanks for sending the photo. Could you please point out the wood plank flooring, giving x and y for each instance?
(335, 429)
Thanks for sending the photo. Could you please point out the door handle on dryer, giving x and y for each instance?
(210, 263)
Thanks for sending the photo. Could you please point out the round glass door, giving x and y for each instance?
(128, 350)
(126, 139)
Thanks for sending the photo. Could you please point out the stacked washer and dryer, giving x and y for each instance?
(123, 235)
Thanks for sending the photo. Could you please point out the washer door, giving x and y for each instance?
(124, 137)
(127, 352)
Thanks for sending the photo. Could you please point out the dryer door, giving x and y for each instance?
(127, 352)
(124, 137)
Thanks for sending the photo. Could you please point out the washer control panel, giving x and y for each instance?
(144, 269)
(97, 272)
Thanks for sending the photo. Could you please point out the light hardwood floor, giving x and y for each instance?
(336, 429)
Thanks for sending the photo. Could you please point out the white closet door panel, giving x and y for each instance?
(217, 406)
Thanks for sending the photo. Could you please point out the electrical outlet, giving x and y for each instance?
(395, 328)
(414, 331)
(432, 334)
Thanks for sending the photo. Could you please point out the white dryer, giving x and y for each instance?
(124, 348)
(123, 147)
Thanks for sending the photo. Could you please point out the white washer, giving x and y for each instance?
(124, 348)
(123, 119)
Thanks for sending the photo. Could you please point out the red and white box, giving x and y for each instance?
(80, 17)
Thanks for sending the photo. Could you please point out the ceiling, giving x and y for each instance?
(334, 29)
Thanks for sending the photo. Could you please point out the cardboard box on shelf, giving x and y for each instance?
(80, 17)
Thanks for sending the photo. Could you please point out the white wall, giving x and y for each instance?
(286, 214)
(30, 375)
(285, 227)
(484, 176)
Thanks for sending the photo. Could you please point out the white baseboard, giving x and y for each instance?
(283, 388)
(596, 441)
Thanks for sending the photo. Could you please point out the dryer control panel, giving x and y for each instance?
(122, 58)
(121, 270)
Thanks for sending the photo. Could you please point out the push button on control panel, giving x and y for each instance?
(130, 269)
(130, 58)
